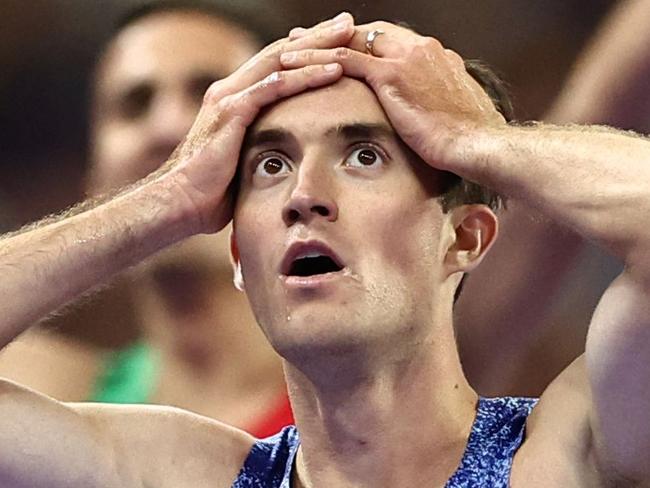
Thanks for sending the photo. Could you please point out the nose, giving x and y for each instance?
(311, 198)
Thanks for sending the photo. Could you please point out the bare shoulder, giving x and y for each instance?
(46, 443)
(171, 447)
(559, 448)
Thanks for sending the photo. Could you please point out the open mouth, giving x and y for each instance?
(313, 265)
(313, 258)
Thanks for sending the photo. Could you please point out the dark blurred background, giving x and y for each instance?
(47, 49)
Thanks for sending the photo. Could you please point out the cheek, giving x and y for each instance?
(256, 233)
(119, 156)
(407, 236)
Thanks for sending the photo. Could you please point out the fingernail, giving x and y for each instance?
(331, 67)
(341, 16)
(287, 57)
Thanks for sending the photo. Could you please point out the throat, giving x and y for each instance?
(383, 433)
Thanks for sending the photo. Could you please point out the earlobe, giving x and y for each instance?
(238, 277)
(475, 229)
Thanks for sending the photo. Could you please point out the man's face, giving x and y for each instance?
(149, 88)
(337, 226)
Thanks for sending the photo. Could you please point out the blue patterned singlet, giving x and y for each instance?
(497, 433)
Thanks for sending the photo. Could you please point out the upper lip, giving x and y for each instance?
(304, 248)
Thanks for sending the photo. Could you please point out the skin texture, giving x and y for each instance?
(576, 436)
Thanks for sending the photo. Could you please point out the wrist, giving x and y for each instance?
(157, 214)
(475, 151)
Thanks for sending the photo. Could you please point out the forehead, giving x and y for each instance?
(172, 45)
(311, 113)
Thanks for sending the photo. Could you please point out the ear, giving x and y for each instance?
(474, 230)
(238, 277)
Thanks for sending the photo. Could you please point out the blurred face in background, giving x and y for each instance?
(149, 87)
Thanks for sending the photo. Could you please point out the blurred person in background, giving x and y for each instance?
(533, 297)
(201, 349)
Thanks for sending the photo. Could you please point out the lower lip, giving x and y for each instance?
(313, 281)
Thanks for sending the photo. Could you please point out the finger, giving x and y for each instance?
(268, 60)
(281, 84)
(336, 34)
(343, 17)
(354, 63)
(393, 41)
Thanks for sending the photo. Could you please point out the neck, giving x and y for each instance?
(384, 428)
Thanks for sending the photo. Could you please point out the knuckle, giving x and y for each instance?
(213, 94)
(275, 78)
(432, 43)
(226, 105)
(379, 24)
(454, 57)
(273, 49)
(272, 54)
(342, 53)
(312, 69)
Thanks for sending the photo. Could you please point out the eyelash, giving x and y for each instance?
(350, 150)
(266, 155)
(368, 145)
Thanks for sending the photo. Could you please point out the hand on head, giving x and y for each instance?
(423, 87)
(204, 164)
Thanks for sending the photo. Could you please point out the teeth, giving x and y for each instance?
(309, 255)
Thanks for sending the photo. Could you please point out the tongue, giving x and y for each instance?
(313, 266)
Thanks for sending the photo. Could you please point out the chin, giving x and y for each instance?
(320, 333)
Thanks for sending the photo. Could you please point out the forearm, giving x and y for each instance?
(592, 179)
(47, 266)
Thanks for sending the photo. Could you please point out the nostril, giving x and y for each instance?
(293, 215)
(320, 210)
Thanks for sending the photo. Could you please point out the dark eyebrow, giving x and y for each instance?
(354, 131)
(266, 136)
(362, 130)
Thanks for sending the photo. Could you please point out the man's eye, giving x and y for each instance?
(271, 166)
(365, 157)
